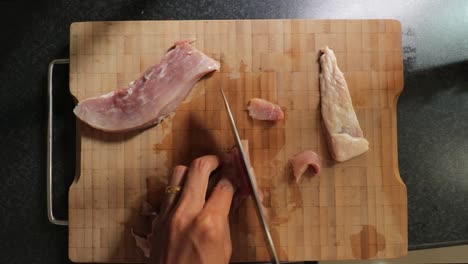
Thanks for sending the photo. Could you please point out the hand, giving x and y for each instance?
(190, 229)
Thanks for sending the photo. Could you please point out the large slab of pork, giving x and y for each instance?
(344, 135)
(153, 96)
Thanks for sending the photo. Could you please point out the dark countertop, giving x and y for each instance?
(432, 110)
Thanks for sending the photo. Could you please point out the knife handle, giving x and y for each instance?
(50, 213)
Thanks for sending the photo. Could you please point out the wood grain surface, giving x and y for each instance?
(352, 210)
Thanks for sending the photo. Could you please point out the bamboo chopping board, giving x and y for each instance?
(352, 210)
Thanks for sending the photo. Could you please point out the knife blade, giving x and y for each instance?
(253, 184)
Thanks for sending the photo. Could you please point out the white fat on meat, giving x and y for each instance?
(153, 96)
(344, 135)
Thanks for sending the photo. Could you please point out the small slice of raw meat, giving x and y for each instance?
(263, 110)
(344, 135)
(302, 160)
(232, 163)
(240, 178)
(153, 96)
(142, 243)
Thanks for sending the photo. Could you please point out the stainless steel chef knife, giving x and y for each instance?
(253, 185)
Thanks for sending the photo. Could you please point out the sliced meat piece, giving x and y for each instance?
(263, 110)
(344, 135)
(153, 96)
(142, 243)
(240, 177)
(303, 160)
(233, 162)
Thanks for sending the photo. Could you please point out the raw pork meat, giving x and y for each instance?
(143, 243)
(263, 110)
(344, 135)
(240, 178)
(302, 160)
(153, 96)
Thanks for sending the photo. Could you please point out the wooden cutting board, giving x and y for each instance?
(352, 210)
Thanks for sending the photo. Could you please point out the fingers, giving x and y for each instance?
(176, 179)
(220, 199)
(219, 203)
(193, 194)
(227, 243)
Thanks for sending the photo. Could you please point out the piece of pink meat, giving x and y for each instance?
(143, 243)
(261, 109)
(153, 96)
(240, 177)
(302, 161)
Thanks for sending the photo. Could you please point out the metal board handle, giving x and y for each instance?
(50, 213)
